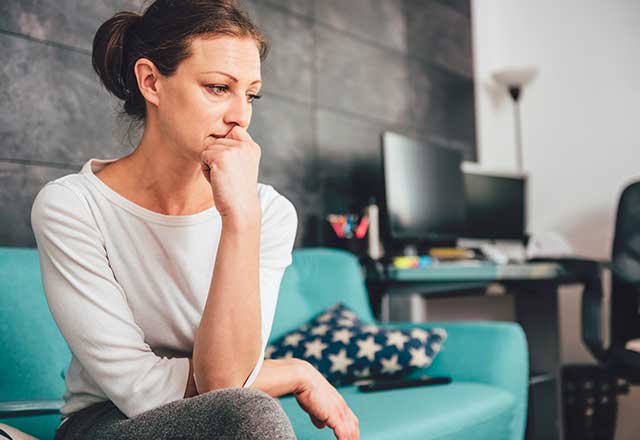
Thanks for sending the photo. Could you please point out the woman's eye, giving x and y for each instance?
(217, 90)
(221, 89)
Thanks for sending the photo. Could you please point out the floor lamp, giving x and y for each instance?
(514, 79)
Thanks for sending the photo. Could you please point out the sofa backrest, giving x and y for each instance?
(318, 278)
(34, 353)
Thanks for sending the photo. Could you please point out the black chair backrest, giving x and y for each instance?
(625, 278)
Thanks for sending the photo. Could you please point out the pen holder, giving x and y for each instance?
(354, 231)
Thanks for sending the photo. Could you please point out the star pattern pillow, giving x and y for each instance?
(344, 349)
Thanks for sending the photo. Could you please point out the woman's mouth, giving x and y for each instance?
(218, 136)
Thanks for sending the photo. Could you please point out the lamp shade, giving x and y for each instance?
(515, 76)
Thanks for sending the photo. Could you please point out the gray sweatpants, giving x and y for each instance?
(225, 414)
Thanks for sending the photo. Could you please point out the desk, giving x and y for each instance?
(536, 310)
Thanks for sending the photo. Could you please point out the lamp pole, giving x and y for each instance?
(514, 92)
(514, 79)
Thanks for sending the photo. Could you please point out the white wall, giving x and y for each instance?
(580, 122)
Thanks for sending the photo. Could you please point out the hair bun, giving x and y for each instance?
(109, 52)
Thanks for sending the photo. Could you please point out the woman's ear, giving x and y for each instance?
(147, 76)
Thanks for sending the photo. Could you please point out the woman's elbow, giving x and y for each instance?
(205, 383)
(232, 378)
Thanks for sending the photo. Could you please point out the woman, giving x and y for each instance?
(162, 267)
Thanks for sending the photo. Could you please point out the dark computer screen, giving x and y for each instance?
(423, 189)
(495, 206)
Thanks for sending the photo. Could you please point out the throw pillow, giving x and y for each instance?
(344, 349)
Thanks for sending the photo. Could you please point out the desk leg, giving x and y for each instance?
(376, 298)
(537, 313)
(385, 306)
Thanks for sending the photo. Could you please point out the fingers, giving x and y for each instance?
(317, 422)
(222, 143)
(345, 425)
(351, 424)
(240, 134)
(208, 157)
(225, 141)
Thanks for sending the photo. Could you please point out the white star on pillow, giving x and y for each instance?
(293, 339)
(314, 348)
(397, 339)
(368, 348)
(420, 334)
(320, 330)
(419, 358)
(340, 362)
(390, 365)
(343, 335)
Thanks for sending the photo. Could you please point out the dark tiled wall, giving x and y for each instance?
(339, 73)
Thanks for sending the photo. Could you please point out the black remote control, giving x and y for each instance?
(374, 385)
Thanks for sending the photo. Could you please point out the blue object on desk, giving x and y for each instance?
(425, 261)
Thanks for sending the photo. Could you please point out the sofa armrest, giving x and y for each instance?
(21, 408)
(488, 352)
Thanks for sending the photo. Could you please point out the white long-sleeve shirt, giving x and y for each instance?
(127, 286)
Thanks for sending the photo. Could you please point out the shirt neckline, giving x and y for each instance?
(93, 165)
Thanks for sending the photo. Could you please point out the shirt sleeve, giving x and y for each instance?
(90, 307)
(277, 237)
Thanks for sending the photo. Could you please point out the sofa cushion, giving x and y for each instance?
(458, 411)
(344, 349)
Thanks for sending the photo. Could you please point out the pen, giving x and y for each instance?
(362, 227)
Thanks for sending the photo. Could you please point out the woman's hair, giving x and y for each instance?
(162, 34)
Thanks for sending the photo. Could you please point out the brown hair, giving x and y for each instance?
(162, 34)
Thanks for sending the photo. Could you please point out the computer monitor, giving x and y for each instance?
(423, 200)
(495, 206)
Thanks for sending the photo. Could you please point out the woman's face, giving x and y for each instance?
(210, 93)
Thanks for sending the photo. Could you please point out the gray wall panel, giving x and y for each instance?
(349, 152)
(20, 184)
(68, 22)
(363, 79)
(439, 34)
(287, 70)
(53, 108)
(380, 21)
(443, 107)
(462, 6)
(284, 131)
(299, 7)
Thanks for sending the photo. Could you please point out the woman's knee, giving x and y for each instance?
(253, 414)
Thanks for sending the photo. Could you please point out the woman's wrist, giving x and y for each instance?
(242, 219)
(303, 375)
(279, 377)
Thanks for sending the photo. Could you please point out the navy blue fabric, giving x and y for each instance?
(344, 349)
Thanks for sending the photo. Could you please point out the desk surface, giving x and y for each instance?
(476, 271)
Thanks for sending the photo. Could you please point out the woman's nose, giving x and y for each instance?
(239, 111)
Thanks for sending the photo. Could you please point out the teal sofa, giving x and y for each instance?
(488, 361)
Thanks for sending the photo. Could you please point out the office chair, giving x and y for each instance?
(625, 293)
(591, 392)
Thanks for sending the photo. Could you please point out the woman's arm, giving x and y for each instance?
(236, 322)
(277, 377)
(228, 341)
(315, 395)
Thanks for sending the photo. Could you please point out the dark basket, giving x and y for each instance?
(590, 402)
